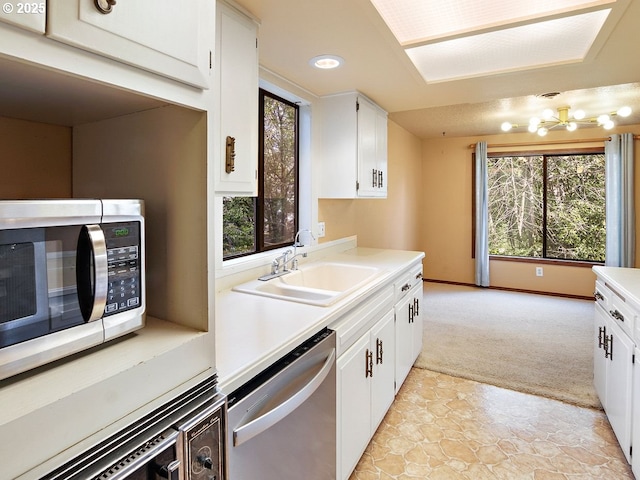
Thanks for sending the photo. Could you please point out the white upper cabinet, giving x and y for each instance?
(354, 151)
(167, 38)
(236, 68)
(29, 15)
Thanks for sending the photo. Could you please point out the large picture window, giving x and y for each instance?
(547, 206)
(268, 221)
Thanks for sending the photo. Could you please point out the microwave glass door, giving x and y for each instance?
(55, 278)
(38, 293)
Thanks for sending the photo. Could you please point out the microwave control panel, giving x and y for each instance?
(124, 289)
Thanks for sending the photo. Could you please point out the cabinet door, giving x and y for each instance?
(354, 405)
(383, 380)
(635, 433)
(417, 325)
(171, 39)
(619, 385)
(381, 152)
(404, 339)
(237, 80)
(599, 360)
(367, 166)
(29, 15)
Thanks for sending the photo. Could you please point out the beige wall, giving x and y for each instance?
(383, 223)
(446, 215)
(433, 214)
(35, 161)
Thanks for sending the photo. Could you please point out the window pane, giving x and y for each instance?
(515, 206)
(576, 207)
(280, 172)
(239, 220)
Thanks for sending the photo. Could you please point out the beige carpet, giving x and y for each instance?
(530, 343)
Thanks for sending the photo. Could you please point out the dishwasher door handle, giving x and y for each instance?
(263, 422)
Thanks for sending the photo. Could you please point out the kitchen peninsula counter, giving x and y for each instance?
(253, 331)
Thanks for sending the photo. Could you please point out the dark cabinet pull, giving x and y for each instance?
(380, 178)
(602, 333)
(374, 181)
(598, 295)
(379, 351)
(608, 347)
(617, 315)
(104, 6)
(368, 364)
(416, 306)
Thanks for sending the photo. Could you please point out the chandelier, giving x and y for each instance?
(567, 119)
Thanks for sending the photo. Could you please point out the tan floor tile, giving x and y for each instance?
(446, 428)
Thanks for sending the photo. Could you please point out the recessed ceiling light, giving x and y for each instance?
(326, 62)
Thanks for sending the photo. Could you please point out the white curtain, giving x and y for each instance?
(482, 216)
(620, 214)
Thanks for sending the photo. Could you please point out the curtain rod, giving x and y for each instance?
(557, 142)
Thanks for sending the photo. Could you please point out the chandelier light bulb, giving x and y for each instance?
(579, 114)
(567, 118)
(624, 111)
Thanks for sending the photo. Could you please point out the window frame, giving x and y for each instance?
(525, 153)
(259, 237)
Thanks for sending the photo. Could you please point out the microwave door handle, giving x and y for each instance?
(92, 272)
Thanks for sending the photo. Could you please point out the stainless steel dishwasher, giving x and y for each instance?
(282, 424)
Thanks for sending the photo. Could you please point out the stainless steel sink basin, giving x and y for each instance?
(316, 284)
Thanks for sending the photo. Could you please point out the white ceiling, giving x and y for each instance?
(294, 31)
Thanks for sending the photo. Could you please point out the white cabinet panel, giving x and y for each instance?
(365, 391)
(619, 386)
(409, 323)
(635, 429)
(354, 156)
(170, 39)
(237, 83)
(29, 15)
(354, 411)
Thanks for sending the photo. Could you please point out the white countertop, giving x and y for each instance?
(253, 331)
(625, 281)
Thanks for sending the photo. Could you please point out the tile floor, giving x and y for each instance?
(442, 427)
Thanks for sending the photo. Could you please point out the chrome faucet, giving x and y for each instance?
(280, 261)
(296, 244)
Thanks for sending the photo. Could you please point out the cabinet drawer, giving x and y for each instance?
(621, 314)
(407, 281)
(602, 294)
(355, 323)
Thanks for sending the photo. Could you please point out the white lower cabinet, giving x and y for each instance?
(635, 429)
(408, 311)
(366, 377)
(615, 376)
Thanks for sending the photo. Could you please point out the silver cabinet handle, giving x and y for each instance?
(267, 420)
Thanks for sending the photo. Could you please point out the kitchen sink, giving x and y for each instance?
(316, 284)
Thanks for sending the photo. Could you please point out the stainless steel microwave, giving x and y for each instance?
(72, 276)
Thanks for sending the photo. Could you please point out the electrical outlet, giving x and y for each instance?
(321, 232)
(539, 272)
